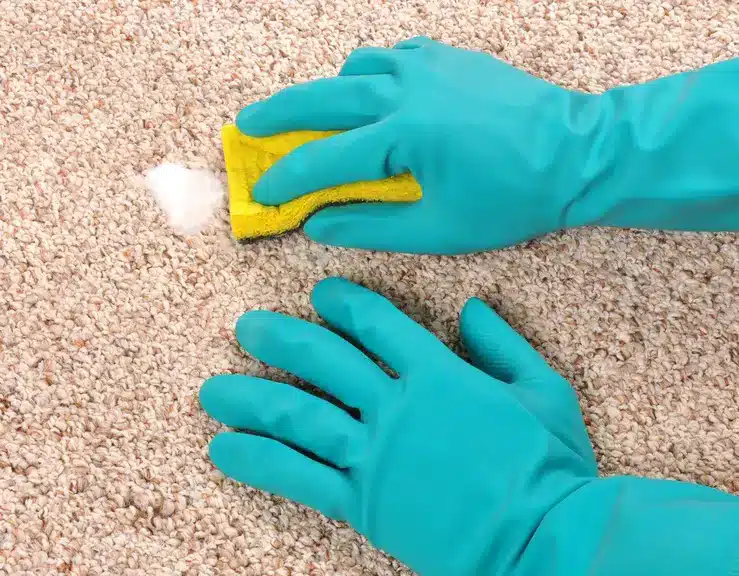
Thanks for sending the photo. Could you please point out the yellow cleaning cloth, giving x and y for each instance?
(247, 158)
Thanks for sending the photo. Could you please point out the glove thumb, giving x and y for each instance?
(495, 347)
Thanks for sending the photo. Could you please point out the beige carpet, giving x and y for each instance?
(109, 322)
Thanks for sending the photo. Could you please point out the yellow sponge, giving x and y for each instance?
(247, 158)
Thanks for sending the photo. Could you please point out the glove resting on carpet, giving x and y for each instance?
(453, 468)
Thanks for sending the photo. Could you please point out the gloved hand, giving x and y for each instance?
(452, 468)
(502, 156)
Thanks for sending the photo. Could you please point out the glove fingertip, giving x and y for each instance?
(412, 43)
(473, 303)
(330, 290)
(470, 311)
(321, 227)
(348, 226)
(269, 191)
(262, 191)
(222, 450)
(219, 395)
(292, 176)
(209, 393)
(255, 328)
(249, 121)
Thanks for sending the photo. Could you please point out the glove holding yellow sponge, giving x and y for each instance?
(247, 158)
(501, 156)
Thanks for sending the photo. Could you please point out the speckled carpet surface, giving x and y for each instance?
(109, 322)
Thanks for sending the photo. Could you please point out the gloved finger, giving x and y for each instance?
(339, 103)
(316, 355)
(285, 413)
(501, 352)
(366, 153)
(392, 227)
(412, 43)
(269, 465)
(495, 347)
(371, 60)
(375, 323)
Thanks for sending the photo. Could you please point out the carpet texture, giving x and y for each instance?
(109, 322)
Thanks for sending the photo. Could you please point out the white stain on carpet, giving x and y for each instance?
(188, 197)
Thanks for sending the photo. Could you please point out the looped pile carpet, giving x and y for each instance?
(109, 321)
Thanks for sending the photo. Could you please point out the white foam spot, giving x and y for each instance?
(189, 197)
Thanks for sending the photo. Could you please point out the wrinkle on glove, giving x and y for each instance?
(665, 155)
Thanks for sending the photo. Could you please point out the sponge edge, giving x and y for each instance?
(247, 158)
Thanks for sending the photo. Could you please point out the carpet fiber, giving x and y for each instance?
(109, 322)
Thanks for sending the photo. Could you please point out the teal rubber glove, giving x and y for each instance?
(503, 157)
(453, 468)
